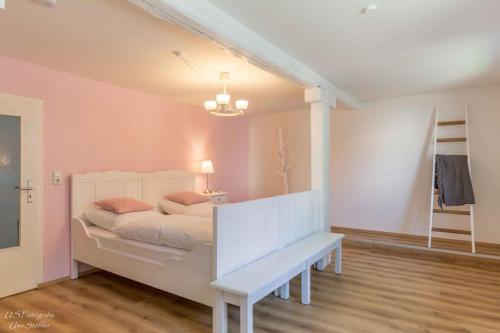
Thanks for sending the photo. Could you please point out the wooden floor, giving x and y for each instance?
(379, 292)
(419, 241)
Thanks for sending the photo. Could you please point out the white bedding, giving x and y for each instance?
(178, 231)
(152, 252)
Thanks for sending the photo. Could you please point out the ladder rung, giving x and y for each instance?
(451, 211)
(451, 139)
(452, 122)
(452, 231)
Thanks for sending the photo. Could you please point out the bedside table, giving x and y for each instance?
(217, 198)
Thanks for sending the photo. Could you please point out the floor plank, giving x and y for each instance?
(420, 241)
(379, 291)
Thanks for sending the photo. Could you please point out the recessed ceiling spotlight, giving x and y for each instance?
(369, 8)
(48, 3)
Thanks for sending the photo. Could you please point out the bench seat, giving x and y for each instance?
(248, 285)
(255, 276)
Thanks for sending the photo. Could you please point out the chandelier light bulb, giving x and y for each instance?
(223, 99)
(210, 105)
(241, 104)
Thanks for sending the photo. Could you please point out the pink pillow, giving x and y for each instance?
(123, 205)
(187, 198)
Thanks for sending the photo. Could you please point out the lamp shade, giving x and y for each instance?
(210, 105)
(207, 167)
(241, 104)
(223, 99)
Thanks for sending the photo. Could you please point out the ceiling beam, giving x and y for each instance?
(203, 18)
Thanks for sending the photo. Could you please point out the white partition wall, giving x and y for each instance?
(250, 230)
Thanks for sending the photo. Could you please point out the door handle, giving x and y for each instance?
(24, 188)
(28, 190)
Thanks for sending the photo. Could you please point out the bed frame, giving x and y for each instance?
(243, 233)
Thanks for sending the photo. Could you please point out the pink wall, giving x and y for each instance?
(91, 125)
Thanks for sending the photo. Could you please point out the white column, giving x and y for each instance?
(321, 100)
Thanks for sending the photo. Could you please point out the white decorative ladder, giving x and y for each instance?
(433, 210)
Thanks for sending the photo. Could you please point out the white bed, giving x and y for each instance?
(181, 272)
(243, 233)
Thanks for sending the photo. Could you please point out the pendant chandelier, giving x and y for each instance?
(222, 104)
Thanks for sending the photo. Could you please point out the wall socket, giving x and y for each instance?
(56, 177)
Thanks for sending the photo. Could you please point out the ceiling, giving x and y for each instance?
(403, 48)
(117, 42)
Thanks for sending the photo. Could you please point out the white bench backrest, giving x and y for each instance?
(247, 231)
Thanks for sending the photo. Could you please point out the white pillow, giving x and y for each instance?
(205, 209)
(108, 220)
(173, 208)
(199, 209)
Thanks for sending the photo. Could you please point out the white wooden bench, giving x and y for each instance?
(248, 285)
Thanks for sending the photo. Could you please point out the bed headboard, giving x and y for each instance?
(160, 183)
(247, 231)
(150, 187)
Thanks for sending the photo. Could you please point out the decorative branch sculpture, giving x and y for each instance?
(284, 166)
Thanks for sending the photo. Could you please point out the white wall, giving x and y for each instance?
(263, 148)
(382, 162)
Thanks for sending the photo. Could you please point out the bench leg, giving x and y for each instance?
(219, 314)
(338, 259)
(323, 262)
(305, 286)
(74, 269)
(246, 316)
(276, 292)
(285, 290)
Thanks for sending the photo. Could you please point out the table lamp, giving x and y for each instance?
(207, 168)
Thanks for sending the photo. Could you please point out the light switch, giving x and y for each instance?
(56, 177)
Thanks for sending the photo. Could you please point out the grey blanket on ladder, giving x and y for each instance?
(453, 181)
